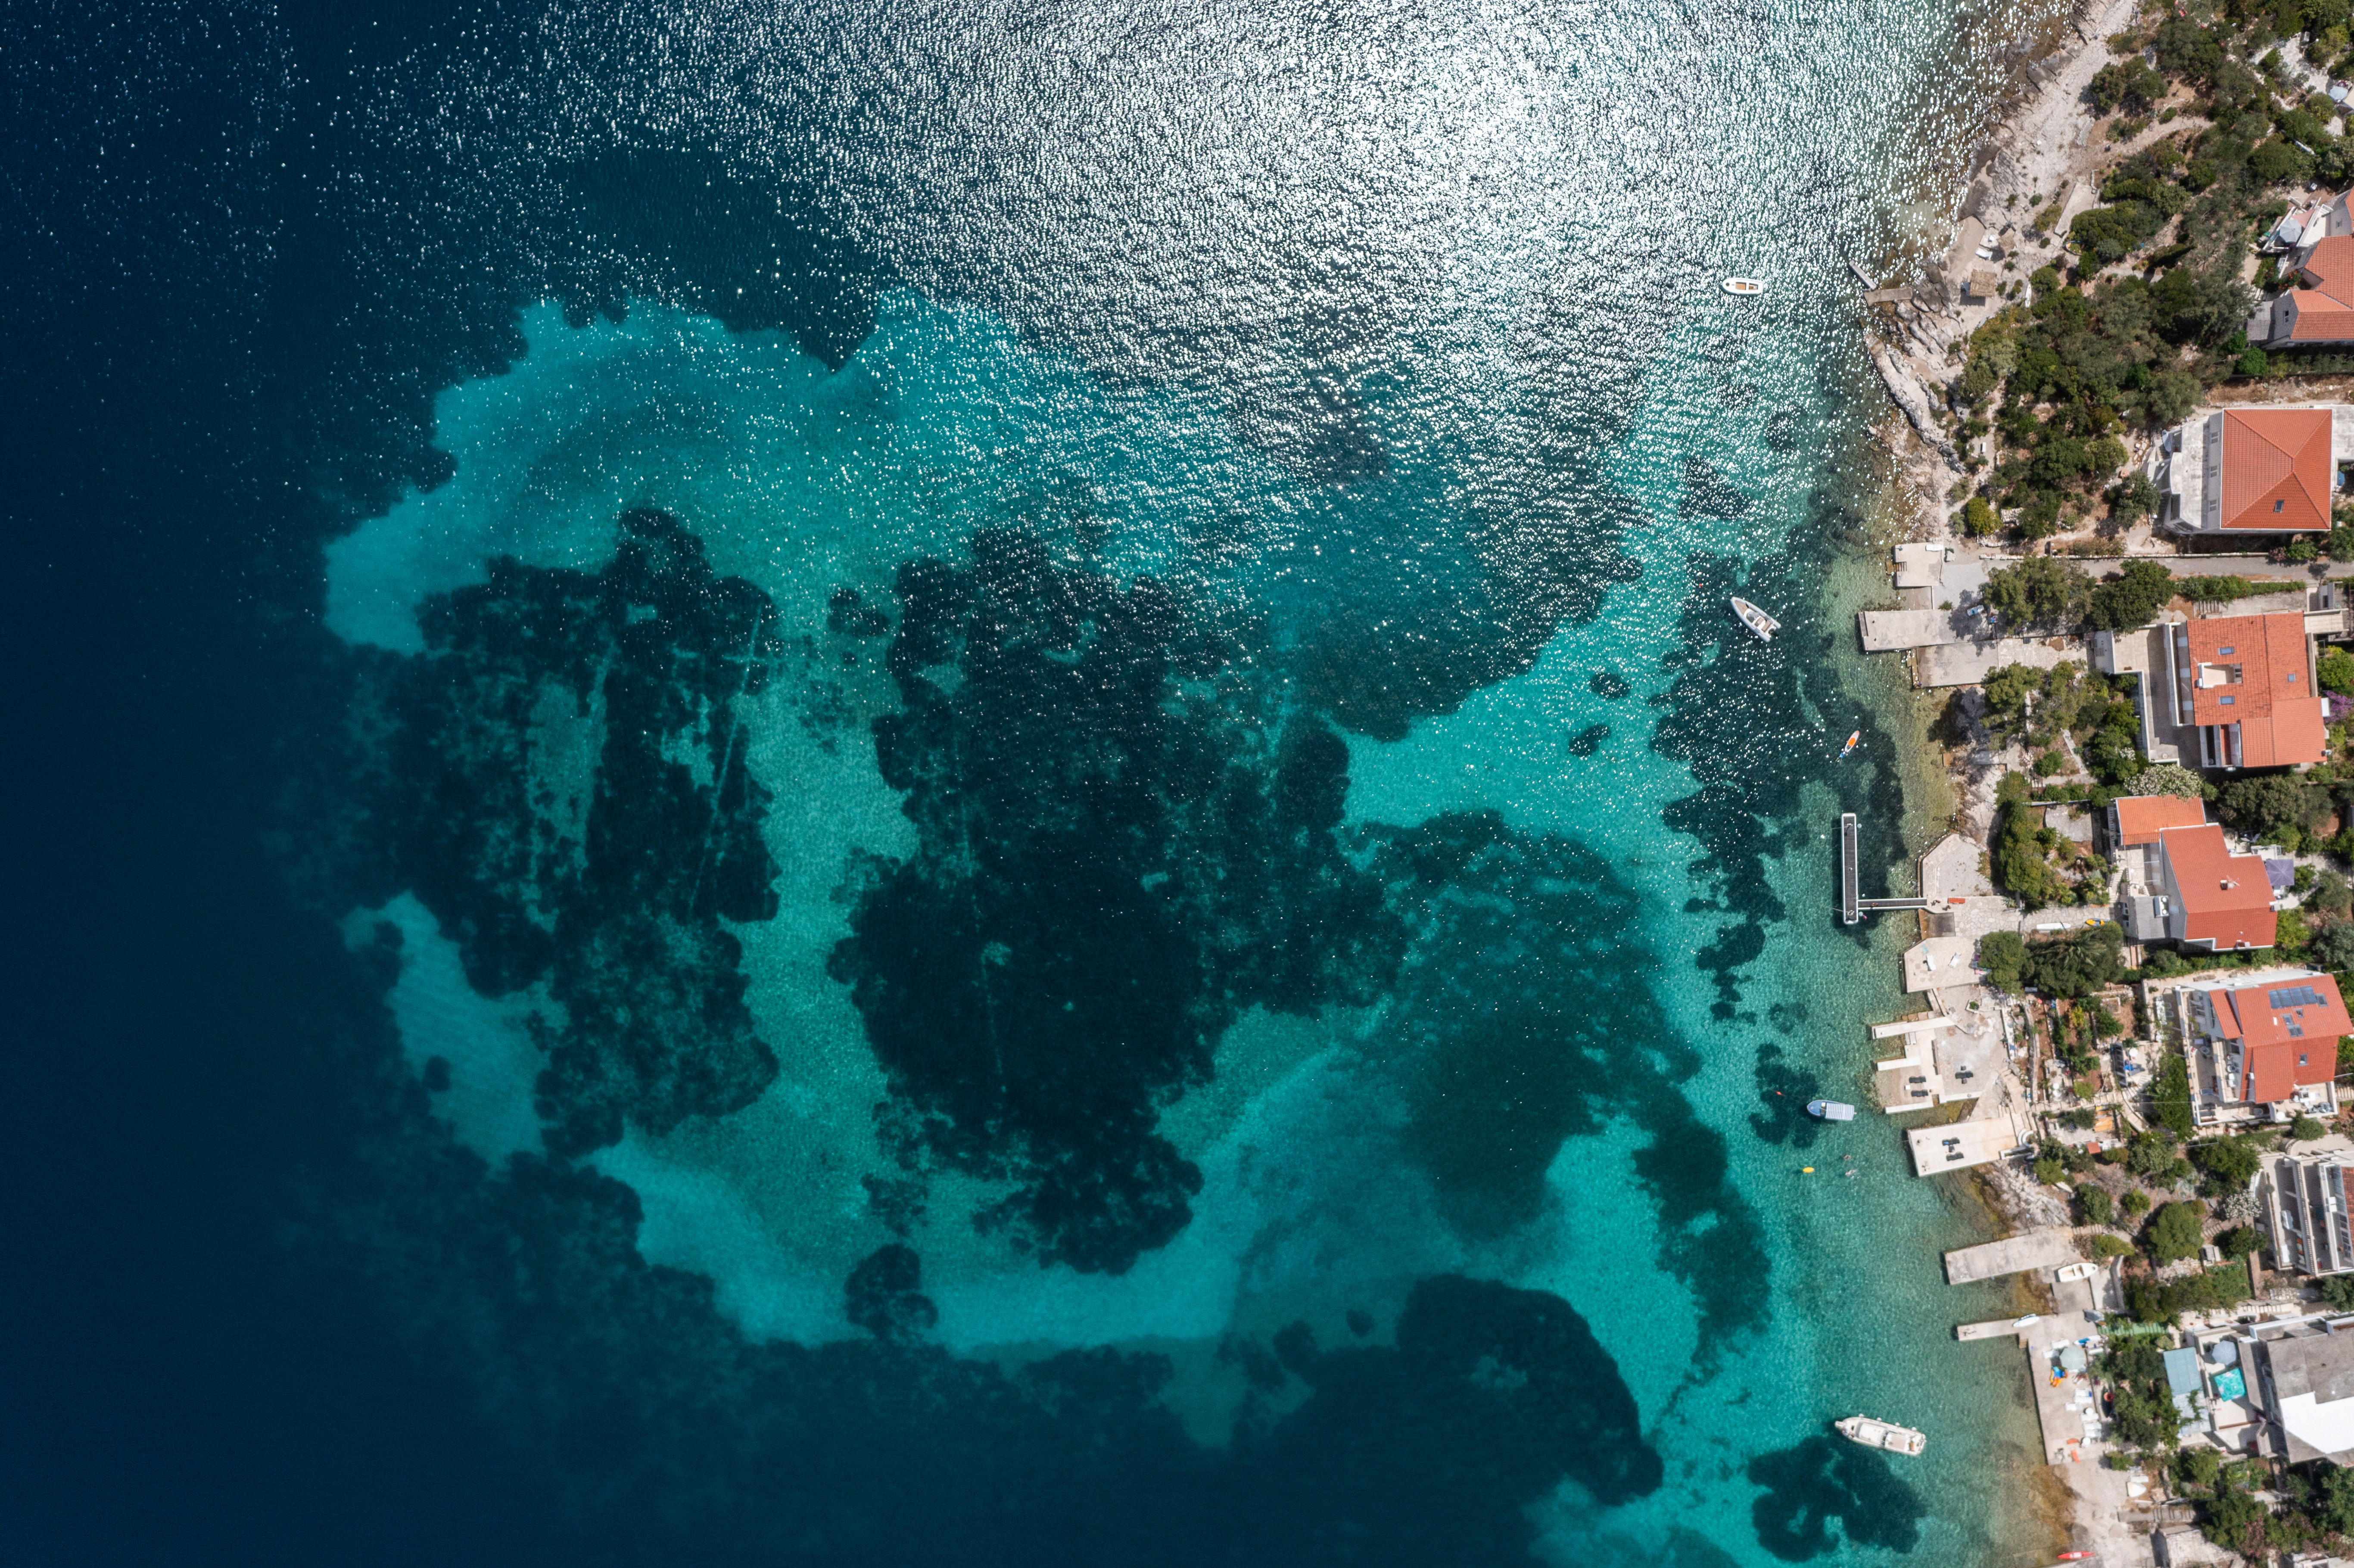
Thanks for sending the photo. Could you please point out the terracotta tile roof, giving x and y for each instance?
(2289, 1032)
(2225, 897)
(2277, 469)
(2141, 818)
(2279, 713)
(2330, 266)
(2325, 310)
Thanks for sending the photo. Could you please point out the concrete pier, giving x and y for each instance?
(2012, 1255)
(1994, 1328)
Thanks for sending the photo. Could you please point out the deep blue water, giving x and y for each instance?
(955, 784)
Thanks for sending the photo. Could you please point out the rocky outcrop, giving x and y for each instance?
(1914, 399)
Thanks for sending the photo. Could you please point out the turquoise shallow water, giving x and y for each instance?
(1193, 778)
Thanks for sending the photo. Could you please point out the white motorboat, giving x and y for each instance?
(1885, 1435)
(1744, 287)
(1756, 619)
(1831, 1110)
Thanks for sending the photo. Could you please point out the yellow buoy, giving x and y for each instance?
(1805, 1170)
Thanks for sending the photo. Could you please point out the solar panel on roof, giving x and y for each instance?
(2294, 996)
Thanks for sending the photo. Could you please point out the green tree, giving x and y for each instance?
(2041, 590)
(2266, 806)
(2095, 1206)
(2278, 162)
(2333, 949)
(2336, 672)
(2175, 1231)
(2331, 895)
(2079, 963)
(2133, 598)
(2240, 1240)
(1979, 519)
(2132, 499)
(2230, 1516)
(2133, 1205)
(2186, 48)
(2229, 1163)
(2337, 1500)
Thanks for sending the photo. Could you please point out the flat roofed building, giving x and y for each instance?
(2213, 900)
(2308, 1389)
(2278, 1039)
(2244, 685)
(2138, 819)
(2307, 1200)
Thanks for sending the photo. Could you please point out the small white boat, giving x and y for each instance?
(1831, 1110)
(1885, 1435)
(1855, 738)
(1756, 619)
(1744, 287)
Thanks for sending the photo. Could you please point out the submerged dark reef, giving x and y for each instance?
(1121, 851)
(1819, 1481)
(625, 680)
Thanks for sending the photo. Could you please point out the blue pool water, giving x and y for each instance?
(997, 805)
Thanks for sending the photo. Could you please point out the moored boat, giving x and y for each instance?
(1756, 619)
(1885, 1435)
(1831, 1110)
(1744, 287)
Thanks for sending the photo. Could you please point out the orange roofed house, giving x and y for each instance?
(2322, 310)
(2211, 899)
(2267, 1041)
(2254, 470)
(2245, 684)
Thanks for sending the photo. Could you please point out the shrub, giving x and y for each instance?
(2305, 1128)
(2215, 590)
(2095, 1206)
(2169, 779)
(1979, 519)
(2175, 1231)
(2302, 549)
(2170, 1095)
(2133, 1205)
(2108, 1243)
(2050, 762)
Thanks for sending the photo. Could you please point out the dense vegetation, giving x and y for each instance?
(2153, 308)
